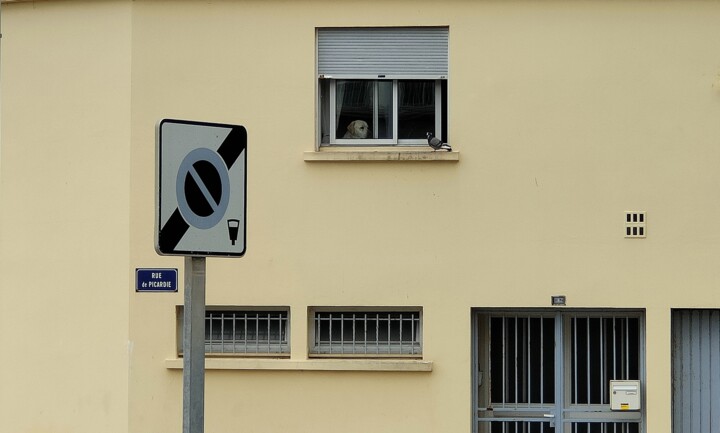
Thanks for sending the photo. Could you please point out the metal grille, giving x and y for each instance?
(244, 332)
(604, 427)
(367, 333)
(602, 349)
(519, 427)
(539, 371)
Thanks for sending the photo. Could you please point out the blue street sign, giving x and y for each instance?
(156, 280)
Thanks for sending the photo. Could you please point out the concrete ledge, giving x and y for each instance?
(410, 365)
(379, 154)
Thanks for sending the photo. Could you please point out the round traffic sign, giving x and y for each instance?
(203, 188)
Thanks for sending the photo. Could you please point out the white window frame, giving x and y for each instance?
(394, 141)
(379, 54)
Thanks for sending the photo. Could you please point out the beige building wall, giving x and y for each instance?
(64, 220)
(565, 115)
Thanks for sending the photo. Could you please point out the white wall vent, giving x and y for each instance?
(635, 224)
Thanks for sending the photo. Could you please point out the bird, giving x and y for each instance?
(437, 143)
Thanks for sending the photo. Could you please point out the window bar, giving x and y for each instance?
(353, 333)
(504, 350)
(401, 333)
(342, 332)
(257, 332)
(330, 338)
(528, 393)
(602, 360)
(575, 353)
(627, 348)
(412, 334)
(222, 332)
(515, 361)
(614, 341)
(211, 329)
(389, 343)
(377, 333)
(268, 333)
(365, 330)
(318, 341)
(587, 358)
(542, 360)
(245, 335)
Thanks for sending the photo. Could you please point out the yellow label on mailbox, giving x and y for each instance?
(624, 406)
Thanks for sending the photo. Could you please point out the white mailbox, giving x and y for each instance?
(624, 395)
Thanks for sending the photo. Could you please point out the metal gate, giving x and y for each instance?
(549, 371)
(696, 371)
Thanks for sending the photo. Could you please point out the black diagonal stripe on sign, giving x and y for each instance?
(171, 233)
(232, 146)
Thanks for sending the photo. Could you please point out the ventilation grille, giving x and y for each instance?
(635, 224)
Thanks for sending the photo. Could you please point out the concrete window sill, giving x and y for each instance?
(397, 365)
(369, 154)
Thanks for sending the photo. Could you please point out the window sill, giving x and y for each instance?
(354, 154)
(308, 365)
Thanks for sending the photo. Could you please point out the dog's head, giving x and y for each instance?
(357, 129)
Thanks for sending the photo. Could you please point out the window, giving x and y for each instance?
(382, 86)
(366, 333)
(242, 332)
(549, 371)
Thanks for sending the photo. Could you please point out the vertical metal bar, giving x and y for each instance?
(559, 370)
(194, 346)
(614, 341)
(353, 333)
(412, 333)
(267, 317)
(257, 332)
(330, 336)
(515, 360)
(528, 394)
(245, 336)
(627, 348)
(401, 333)
(342, 332)
(222, 334)
(504, 352)
(602, 363)
(588, 382)
(574, 355)
(365, 327)
(542, 360)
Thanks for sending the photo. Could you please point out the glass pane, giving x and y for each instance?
(364, 109)
(354, 108)
(416, 109)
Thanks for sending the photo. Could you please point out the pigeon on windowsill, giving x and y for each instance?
(437, 143)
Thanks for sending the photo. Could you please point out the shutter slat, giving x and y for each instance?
(383, 51)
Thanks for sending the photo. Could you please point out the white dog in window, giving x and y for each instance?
(357, 129)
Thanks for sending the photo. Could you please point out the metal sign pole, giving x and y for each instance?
(194, 346)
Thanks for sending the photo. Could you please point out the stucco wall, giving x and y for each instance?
(64, 187)
(565, 114)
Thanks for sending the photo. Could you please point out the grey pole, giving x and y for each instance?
(194, 346)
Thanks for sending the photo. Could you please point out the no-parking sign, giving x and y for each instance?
(201, 188)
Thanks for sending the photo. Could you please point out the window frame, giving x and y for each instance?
(266, 349)
(392, 53)
(356, 349)
(394, 141)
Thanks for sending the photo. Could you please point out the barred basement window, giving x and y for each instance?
(367, 333)
(243, 332)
